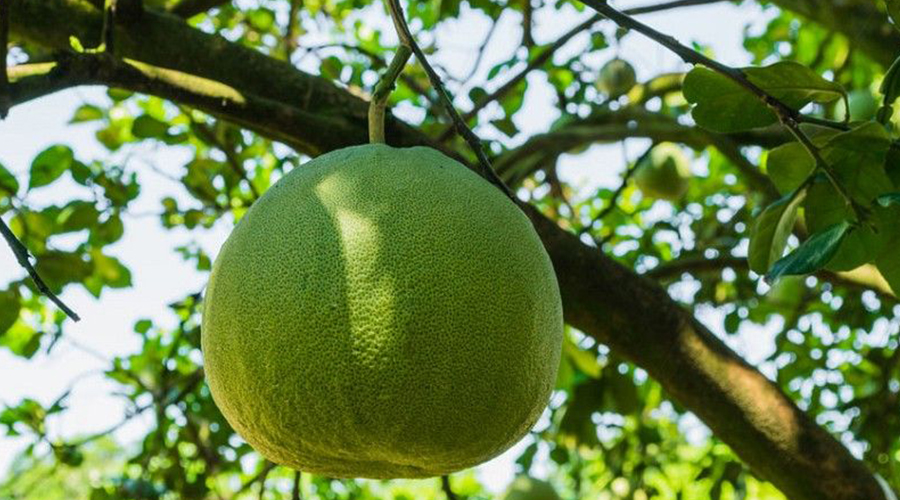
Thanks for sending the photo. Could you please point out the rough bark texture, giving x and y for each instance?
(632, 315)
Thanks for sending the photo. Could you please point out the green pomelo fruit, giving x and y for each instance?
(617, 77)
(382, 313)
(664, 173)
(529, 488)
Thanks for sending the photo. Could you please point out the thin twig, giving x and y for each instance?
(481, 51)
(290, 35)
(548, 53)
(22, 257)
(295, 492)
(788, 117)
(445, 485)
(614, 199)
(231, 159)
(383, 91)
(406, 38)
(4, 41)
(109, 27)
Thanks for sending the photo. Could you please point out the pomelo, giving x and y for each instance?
(664, 173)
(617, 78)
(382, 313)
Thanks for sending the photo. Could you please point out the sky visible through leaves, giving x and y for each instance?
(162, 276)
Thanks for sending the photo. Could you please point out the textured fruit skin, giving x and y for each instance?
(665, 173)
(382, 313)
(529, 488)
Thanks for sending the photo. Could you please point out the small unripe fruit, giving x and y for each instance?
(529, 488)
(664, 173)
(617, 77)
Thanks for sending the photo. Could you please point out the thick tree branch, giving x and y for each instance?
(612, 126)
(190, 8)
(631, 314)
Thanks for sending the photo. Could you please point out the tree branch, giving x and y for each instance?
(22, 258)
(448, 490)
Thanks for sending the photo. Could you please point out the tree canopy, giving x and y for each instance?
(790, 222)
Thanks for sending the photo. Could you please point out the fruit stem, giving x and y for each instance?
(383, 91)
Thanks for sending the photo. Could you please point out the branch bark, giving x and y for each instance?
(629, 313)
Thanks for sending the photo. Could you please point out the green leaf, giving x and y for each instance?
(889, 199)
(769, 235)
(789, 166)
(9, 309)
(8, 181)
(889, 267)
(49, 164)
(892, 166)
(824, 207)
(890, 86)
(86, 113)
(858, 157)
(725, 106)
(109, 231)
(60, 268)
(812, 255)
(506, 126)
(77, 216)
(110, 271)
(76, 45)
(147, 127)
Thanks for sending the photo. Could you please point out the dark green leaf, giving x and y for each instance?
(77, 216)
(9, 309)
(889, 267)
(49, 164)
(87, 113)
(60, 268)
(724, 106)
(8, 181)
(824, 207)
(147, 127)
(812, 255)
(858, 157)
(770, 233)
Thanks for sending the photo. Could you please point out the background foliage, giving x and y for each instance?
(610, 431)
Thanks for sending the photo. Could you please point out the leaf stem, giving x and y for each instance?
(22, 257)
(788, 117)
(383, 91)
